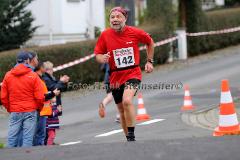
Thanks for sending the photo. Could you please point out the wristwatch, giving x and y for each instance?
(150, 60)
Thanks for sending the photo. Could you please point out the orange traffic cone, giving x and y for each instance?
(228, 122)
(187, 104)
(141, 113)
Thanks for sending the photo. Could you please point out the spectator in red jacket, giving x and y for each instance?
(22, 94)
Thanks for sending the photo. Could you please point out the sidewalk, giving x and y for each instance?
(207, 118)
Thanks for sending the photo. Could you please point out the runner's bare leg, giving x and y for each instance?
(107, 99)
(129, 109)
(122, 117)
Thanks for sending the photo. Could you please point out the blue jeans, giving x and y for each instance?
(40, 134)
(22, 126)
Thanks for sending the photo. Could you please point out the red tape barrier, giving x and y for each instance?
(84, 59)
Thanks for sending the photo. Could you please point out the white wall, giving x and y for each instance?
(55, 16)
(39, 9)
(209, 4)
(74, 16)
(220, 2)
(64, 21)
(99, 13)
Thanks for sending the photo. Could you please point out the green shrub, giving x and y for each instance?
(217, 20)
(87, 72)
(60, 54)
(1, 145)
(230, 3)
(161, 53)
(160, 13)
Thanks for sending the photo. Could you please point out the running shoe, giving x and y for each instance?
(117, 118)
(130, 137)
(101, 110)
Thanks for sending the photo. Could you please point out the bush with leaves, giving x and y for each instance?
(215, 20)
(89, 72)
(230, 3)
(160, 22)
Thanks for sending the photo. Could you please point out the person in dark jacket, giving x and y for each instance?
(40, 134)
(52, 83)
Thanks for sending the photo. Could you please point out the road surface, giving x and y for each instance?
(85, 136)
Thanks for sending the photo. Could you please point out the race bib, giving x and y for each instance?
(124, 57)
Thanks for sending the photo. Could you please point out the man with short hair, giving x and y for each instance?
(118, 46)
(32, 64)
(33, 60)
(22, 94)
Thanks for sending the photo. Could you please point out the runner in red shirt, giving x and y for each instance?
(118, 46)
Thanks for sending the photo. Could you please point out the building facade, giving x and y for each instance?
(210, 4)
(62, 21)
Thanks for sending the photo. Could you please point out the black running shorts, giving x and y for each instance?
(118, 92)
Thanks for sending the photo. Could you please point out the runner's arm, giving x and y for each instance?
(150, 51)
(100, 50)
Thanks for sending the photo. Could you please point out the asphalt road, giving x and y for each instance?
(86, 136)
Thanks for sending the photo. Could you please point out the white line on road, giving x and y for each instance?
(120, 130)
(70, 143)
(150, 122)
(109, 133)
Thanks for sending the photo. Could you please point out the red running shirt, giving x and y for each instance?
(124, 52)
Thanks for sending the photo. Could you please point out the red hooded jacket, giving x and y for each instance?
(22, 90)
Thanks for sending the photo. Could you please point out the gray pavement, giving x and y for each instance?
(207, 118)
(170, 138)
(183, 149)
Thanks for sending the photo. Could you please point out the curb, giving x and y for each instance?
(206, 118)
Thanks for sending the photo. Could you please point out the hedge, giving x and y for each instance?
(216, 20)
(162, 15)
(60, 54)
(87, 72)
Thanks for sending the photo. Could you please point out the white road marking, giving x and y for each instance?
(150, 122)
(70, 143)
(109, 133)
(120, 130)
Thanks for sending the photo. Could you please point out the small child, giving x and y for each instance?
(53, 122)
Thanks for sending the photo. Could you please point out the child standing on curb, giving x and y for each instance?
(53, 122)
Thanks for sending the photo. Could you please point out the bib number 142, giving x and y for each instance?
(124, 57)
(125, 60)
